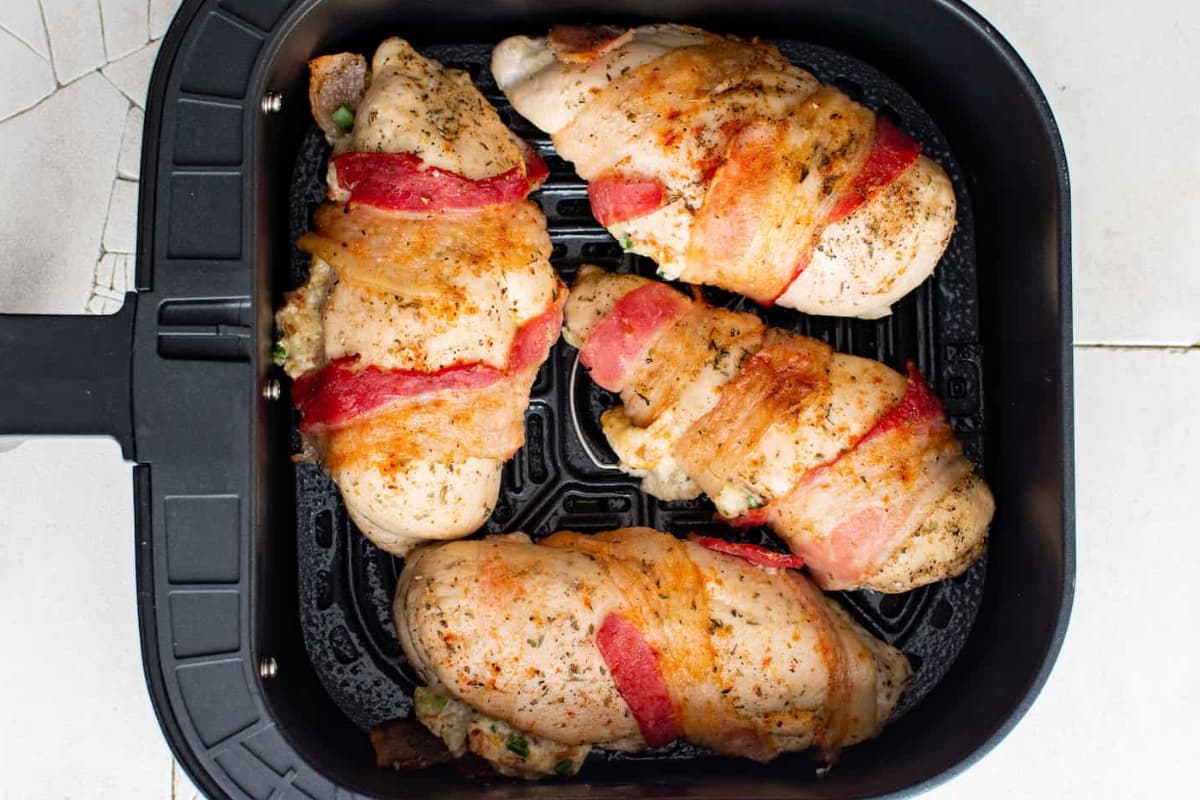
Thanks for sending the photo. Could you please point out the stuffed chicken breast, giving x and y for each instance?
(533, 654)
(850, 462)
(431, 302)
(730, 166)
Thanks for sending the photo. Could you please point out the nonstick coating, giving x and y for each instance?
(563, 477)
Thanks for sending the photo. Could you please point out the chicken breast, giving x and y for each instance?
(730, 166)
(632, 638)
(431, 301)
(850, 462)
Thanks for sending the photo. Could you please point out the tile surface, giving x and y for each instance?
(1121, 78)
(129, 162)
(120, 230)
(68, 145)
(78, 721)
(23, 19)
(161, 14)
(29, 78)
(131, 74)
(126, 26)
(76, 37)
(1117, 718)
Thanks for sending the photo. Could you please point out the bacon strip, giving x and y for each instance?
(402, 182)
(618, 198)
(919, 404)
(666, 601)
(845, 517)
(639, 678)
(535, 338)
(834, 723)
(772, 383)
(536, 170)
(753, 553)
(622, 338)
(434, 255)
(894, 151)
(766, 204)
(340, 391)
(482, 422)
(580, 44)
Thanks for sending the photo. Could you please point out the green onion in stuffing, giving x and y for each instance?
(344, 117)
(279, 353)
(563, 767)
(518, 745)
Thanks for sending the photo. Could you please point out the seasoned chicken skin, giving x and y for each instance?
(730, 166)
(535, 653)
(431, 302)
(851, 463)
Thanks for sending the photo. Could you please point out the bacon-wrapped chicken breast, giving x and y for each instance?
(850, 462)
(730, 166)
(535, 653)
(431, 302)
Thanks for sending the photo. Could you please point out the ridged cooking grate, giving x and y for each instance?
(563, 477)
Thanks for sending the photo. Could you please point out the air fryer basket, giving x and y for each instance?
(265, 633)
(565, 477)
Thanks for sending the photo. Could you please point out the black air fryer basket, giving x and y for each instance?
(265, 617)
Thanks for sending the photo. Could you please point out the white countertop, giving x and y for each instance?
(1120, 715)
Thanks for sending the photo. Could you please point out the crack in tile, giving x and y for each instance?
(129, 160)
(30, 76)
(21, 39)
(46, 29)
(131, 74)
(1167, 348)
(23, 18)
(75, 37)
(120, 223)
(103, 36)
(125, 27)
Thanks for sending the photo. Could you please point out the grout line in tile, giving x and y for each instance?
(103, 38)
(28, 46)
(60, 86)
(50, 50)
(113, 84)
(1169, 348)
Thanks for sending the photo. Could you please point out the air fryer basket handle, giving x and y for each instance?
(68, 374)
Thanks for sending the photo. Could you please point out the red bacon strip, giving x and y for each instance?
(753, 553)
(919, 404)
(402, 182)
(623, 337)
(579, 44)
(341, 391)
(338, 392)
(894, 151)
(618, 199)
(536, 170)
(639, 679)
(533, 342)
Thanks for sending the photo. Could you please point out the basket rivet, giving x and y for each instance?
(271, 389)
(272, 102)
(268, 667)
